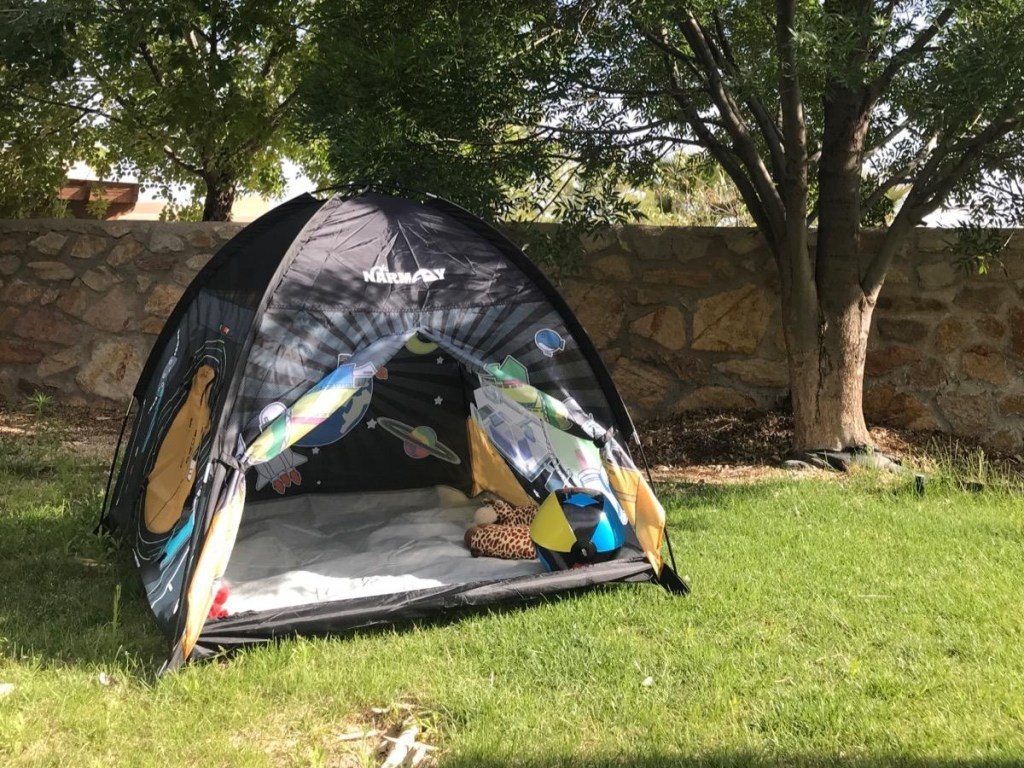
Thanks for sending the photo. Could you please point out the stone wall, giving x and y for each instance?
(81, 301)
(686, 319)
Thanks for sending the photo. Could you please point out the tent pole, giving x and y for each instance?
(113, 465)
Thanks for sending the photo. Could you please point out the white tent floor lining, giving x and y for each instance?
(314, 548)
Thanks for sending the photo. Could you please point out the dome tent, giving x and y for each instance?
(330, 400)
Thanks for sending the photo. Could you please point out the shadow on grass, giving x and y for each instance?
(730, 760)
(68, 599)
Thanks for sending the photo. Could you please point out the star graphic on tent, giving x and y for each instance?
(440, 360)
(438, 400)
(371, 424)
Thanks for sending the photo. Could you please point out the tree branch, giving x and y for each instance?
(147, 56)
(903, 57)
(183, 164)
(723, 154)
(743, 145)
(554, 129)
(766, 124)
(71, 105)
(869, 152)
(793, 182)
(936, 180)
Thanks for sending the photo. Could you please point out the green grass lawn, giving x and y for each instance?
(830, 623)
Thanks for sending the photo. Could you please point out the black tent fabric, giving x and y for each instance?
(374, 367)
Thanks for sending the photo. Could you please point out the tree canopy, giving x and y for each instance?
(816, 111)
(37, 133)
(194, 94)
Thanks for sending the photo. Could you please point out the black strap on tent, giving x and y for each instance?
(113, 465)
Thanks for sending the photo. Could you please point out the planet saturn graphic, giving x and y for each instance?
(419, 442)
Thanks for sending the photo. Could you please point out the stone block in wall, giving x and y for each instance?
(937, 275)
(101, 278)
(162, 241)
(20, 293)
(183, 275)
(113, 369)
(665, 326)
(197, 262)
(115, 312)
(742, 241)
(60, 362)
(75, 299)
(600, 240)
(693, 369)
(887, 359)
(613, 267)
(983, 298)
(1016, 318)
(9, 265)
(1013, 261)
(683, 278)
(151, 326)
(884, 404)
(124, 252)
(1012, 405)
(644, 295)
(156, 262)
(902, 329)
(730, 270)
(43, 325)
(898, 274)
(983, 363)
(968, 413)
(202, 238)
(757, 372)
(162, 299)
(989, 327)
(49, 244)
(950, 334)
(88, 247)
(51, 270)
(599, 308)
(714, 398)
(927, 374)
(144, 282)
(13, 243)
(931, 241)
(8, 316)
(910, 303)
(647, 243)
(17, 352)
(642, 386)
(734, 321)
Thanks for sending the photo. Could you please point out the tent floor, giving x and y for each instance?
(325, 547)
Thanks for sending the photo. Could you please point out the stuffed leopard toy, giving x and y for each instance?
(502, 530)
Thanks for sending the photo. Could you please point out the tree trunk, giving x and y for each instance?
(220, 196)
(827, 349)
(827, 323)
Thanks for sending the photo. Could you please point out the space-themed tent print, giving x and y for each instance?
(349, 356)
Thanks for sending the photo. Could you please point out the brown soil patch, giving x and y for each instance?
(86, 432)
(696, 447)
(706, 447)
